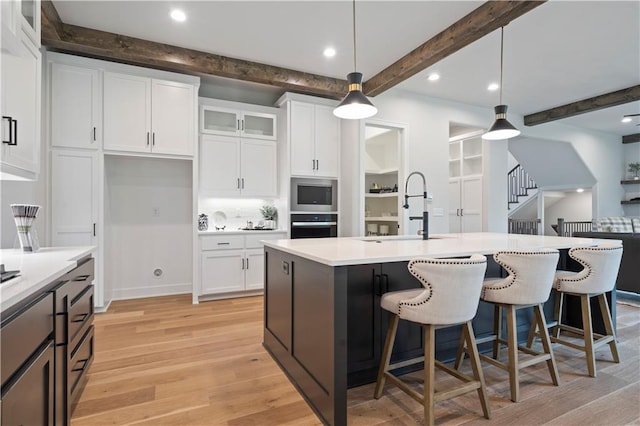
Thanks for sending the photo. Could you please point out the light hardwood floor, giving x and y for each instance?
(164, 361)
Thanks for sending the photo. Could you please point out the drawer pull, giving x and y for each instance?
(83, 363)
(223, 244)
(82, 277)
(80, 318)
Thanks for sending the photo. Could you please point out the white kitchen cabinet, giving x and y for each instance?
(21, 86)
(232, 122)
(76, 106)
(76, 193)
(148, 115)
(231, 166)
(233, 265)
(465, 204)
(18, 16)
(315, 137)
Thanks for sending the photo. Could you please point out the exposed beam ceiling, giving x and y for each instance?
(619, 97)
(482, 21)
(57, 35)
(631, 138)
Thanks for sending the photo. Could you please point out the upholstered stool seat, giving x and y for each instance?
(598, 277)
(450, 296)
(531, 275)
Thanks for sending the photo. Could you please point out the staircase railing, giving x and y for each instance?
(519, 182)
(524, 226)
(567, 228)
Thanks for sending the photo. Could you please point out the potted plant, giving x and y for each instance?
(269, 213)
(635, 169)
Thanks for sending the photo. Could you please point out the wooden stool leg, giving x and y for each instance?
(588, 334)
(429, 372)
(559, 301)
(497, 329)
(608, 325)
(546, 343)
(386, 355)
(467, 332)
(512, 344)
(461, 349)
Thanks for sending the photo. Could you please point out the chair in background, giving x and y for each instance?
(598, 277)
(450, 296)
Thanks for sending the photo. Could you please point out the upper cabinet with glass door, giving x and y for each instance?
(231, 122)
(19, 16)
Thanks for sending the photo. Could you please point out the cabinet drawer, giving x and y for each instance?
(255, 240)
(82, 273)
(23, 332)
(80, 312)
(80, 360)
(219, 242)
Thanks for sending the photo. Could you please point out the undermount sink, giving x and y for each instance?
(396, 238)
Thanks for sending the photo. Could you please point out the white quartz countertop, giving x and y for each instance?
(37, 270)
(241, 232)
(363, 250)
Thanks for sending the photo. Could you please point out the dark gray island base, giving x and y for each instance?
(325, 328)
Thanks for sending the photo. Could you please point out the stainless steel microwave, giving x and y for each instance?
(314, 195)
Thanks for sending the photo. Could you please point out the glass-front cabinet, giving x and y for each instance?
(230, 122)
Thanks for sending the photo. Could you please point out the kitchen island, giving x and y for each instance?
(322, 318)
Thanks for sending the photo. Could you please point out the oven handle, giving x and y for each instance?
(312, 224)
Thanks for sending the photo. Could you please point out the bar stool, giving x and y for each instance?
(450, 297)
(531, 275)
(601, 266)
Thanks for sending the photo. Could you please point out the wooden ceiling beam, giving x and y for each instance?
(62, 37)
(631, 138)
(619, 97)
(480, 22)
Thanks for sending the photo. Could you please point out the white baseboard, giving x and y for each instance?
(153, 291)
(232, 295)
(102, 309)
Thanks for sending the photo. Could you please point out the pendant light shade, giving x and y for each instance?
(355, 104)
(501, 129)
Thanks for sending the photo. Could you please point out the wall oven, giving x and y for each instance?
(314, 225)
(314, 195)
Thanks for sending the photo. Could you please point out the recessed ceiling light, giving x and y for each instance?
(580, 190)
(433, 77)
(329, 52)
(626, 120)
(178, 15)
(493, 86)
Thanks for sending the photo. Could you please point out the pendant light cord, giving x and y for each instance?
(501, 59)
(354, 36)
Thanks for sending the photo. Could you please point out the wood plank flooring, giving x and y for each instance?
(164, 361)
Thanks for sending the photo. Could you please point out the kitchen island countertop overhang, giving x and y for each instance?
(360, 250)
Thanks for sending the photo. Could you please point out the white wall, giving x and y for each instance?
(139, 239)
(572, 207)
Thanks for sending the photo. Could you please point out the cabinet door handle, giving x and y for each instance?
(238, 183)
(94, 229)
(317, 164)
(238, 124)
(386, 283)
(9, 119)
(242, 125)
(242, 263)
(223, 244)
(13, 131)
(461, 212)
(147, 138)
(247, 263)
(94, 134)
(153, 138)
(242, 183)
(377, 285)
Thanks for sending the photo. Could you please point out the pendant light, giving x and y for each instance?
(501, 129)
(355, 105)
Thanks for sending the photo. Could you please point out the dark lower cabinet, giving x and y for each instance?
(46, 345)
(28, 399)
(367, 322)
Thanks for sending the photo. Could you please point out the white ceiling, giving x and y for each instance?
(560, 52)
